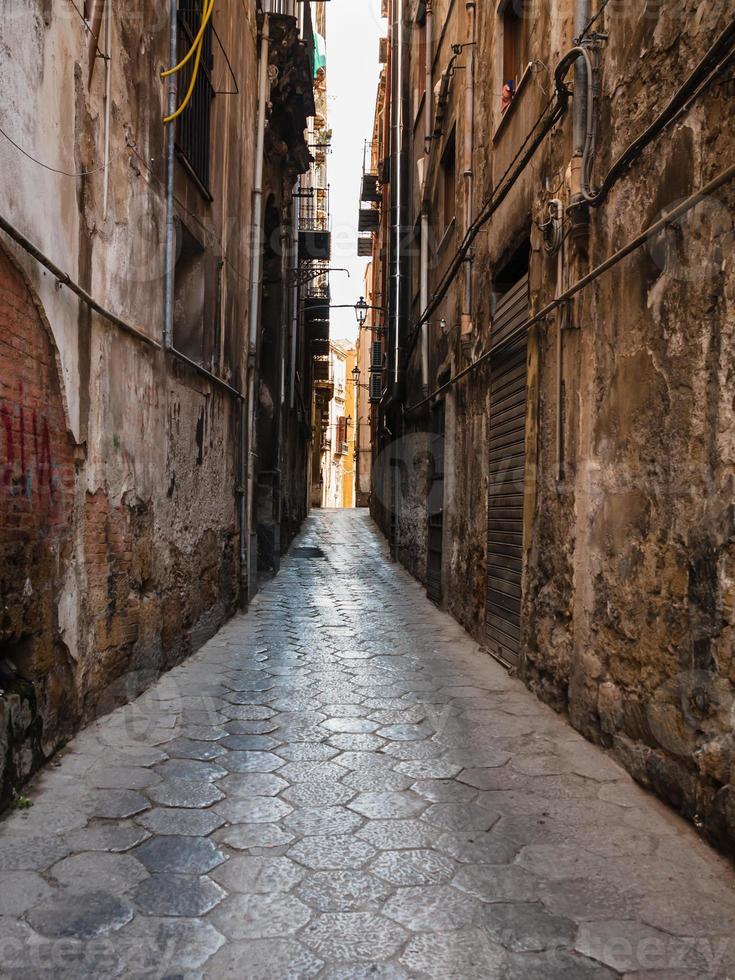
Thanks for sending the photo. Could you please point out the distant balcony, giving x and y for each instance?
(368, 219)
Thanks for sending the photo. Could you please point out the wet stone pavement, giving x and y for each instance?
(341, 785)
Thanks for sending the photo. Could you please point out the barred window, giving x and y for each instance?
(192, 126)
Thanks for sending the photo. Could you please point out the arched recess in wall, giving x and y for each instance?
(38, 458)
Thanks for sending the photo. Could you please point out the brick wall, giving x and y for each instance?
(37, 474)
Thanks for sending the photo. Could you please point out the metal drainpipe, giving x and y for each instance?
(397, 176)
(168, 298)
(256, 273)
(578, 212)
(295, 208)
(425, 223)
(469, 140)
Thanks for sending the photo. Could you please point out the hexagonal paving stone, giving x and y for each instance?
(178, 821)
(186, 855)
(413, 867)
(307, 752)
(343, 891)
(189, 748)
(190, 770)
(181, 945)
(99, 871)
(265, 960)
(247, 712)
(406, 733)
(526, 928)
(245, 785)
(319, 793)
(376, 781)
(185, 793)
(431, 908)
(556, 963)
(456, 956)
(175, 894)
(428, 768)
(31, 853)
(245, 836)
(271, 915)
(237, 727)
(307, 772)
(90, 914)
(20, 891)
(201, 733)
(460, 816)
(353, 936)
(388, 835)
(259, 809)
(349, 725)
(357, 743)
(107, 835)
(244, 743)
(478, 847)
(121, 777)
(364, 762)
(258, 875)
(332, 852)
(444, 791)
(314, 821)
(388, 806)
(251, 761)
(116, 803)
(498, 884)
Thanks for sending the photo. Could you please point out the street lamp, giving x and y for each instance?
(361, 309)
(356, 375)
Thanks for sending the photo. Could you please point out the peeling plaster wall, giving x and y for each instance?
(627, 610)
(135, 565)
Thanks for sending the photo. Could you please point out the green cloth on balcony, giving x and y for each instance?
(320, 53)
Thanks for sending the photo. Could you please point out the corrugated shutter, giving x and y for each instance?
(507, 473)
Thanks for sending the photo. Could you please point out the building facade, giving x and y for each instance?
(153, 438)
(554, 445)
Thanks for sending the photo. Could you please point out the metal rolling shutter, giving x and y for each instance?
(507, 472)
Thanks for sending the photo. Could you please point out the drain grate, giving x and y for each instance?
(306, 551)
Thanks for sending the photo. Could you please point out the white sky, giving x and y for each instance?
(353, 29)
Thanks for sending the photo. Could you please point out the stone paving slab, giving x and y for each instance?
(341, 785)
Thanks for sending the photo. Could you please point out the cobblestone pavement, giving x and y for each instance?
(339, 784)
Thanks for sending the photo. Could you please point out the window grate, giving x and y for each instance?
(192, 126)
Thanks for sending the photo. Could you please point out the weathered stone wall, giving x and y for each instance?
(119, 532)
(627, 612)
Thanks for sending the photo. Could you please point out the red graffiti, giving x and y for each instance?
(18, 472)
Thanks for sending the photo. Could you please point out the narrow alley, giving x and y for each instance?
(340, 784)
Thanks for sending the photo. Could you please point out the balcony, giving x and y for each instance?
(368, 220)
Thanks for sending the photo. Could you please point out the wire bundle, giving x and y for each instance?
(194, 51)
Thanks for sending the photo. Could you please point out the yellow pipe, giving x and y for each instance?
(206, 14)
(190, 91)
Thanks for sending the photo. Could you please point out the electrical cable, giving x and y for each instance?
(590, 23)
(640, 239)
(702, 75)
(55, 170)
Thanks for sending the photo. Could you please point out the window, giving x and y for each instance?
(341, 433)
(196, 284)
(511, 13)
(449, 179)
(192, 126)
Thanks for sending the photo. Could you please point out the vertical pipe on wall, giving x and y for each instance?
(168, 298)
(425, 223)
(256, 273)
(295, 209)
(469, 141)
(397, 168)
(108, 88)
